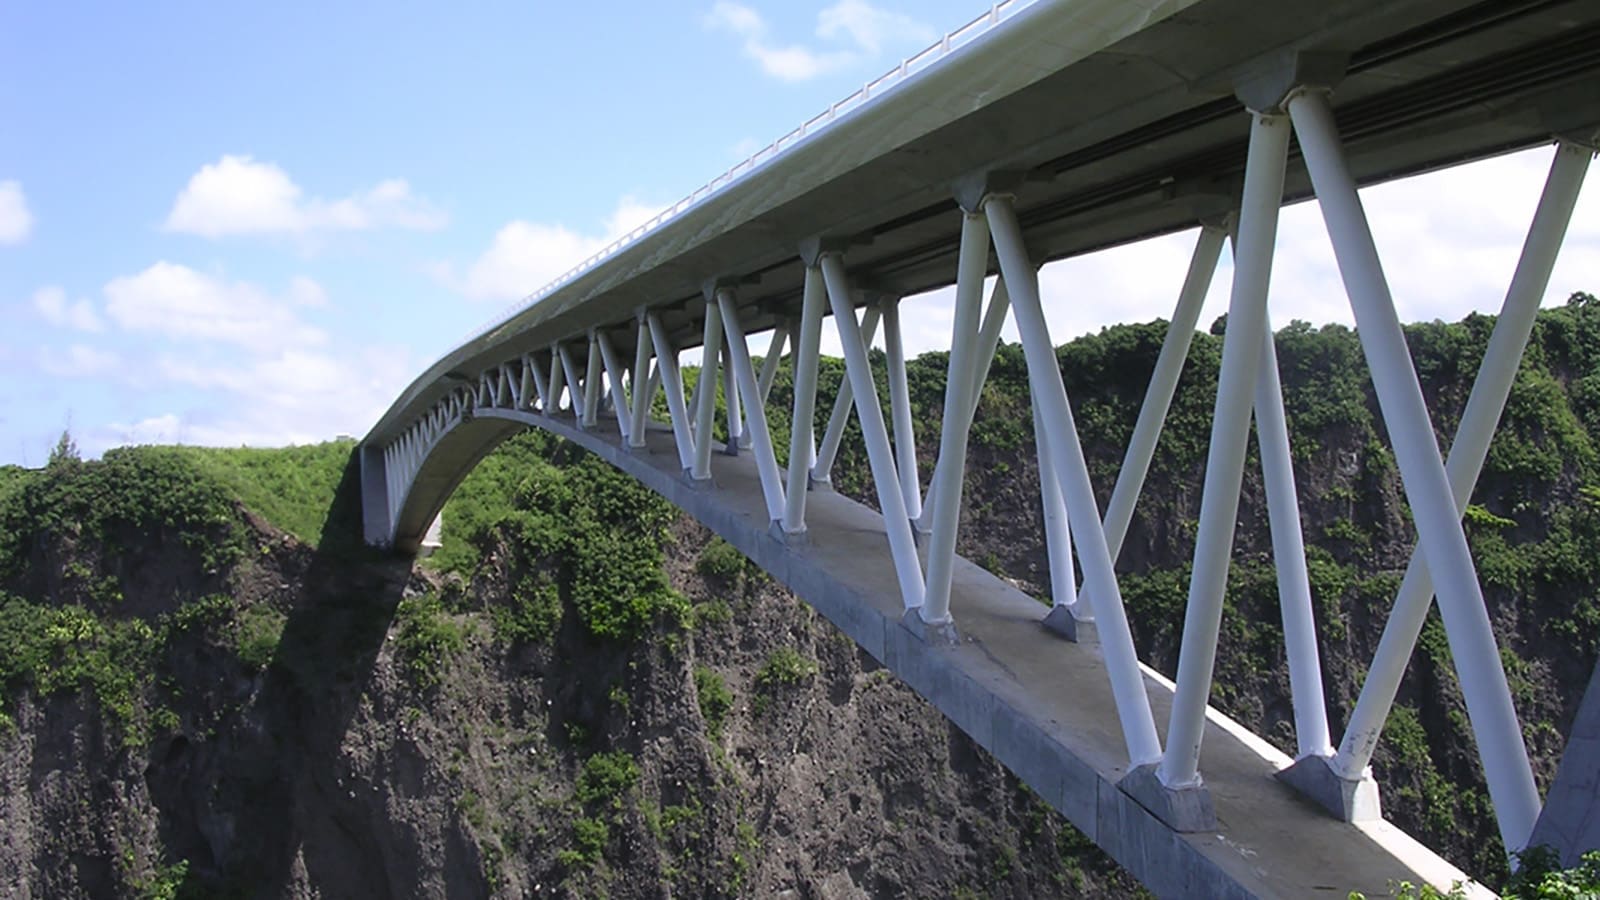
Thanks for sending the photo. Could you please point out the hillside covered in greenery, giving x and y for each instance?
(209, 688)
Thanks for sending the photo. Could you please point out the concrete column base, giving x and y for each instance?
(699, 484)
(789, 538)
(813, 483)
(934, 635)
(1184, 810)
(1351, 801)
(1061, 623)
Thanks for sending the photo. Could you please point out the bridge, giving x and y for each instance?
(1038, 132)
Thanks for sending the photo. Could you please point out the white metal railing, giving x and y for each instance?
(867, 93)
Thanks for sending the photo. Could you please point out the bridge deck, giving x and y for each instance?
(1041, 705)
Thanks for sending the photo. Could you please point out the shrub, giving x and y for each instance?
(714, 697)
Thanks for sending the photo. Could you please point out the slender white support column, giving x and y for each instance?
(1057, 526)
(591, 385)
(1044, 374)
(901, 544)
(574, 382)
(769, 363)
(642, 393)
(905, 439)
(1289, 557)
(706, 392)
(988, 344)
(672, 379)
(822, 463)
(619, 396)
(802, 428)
(558, 374)
(959, 385)
(1469, 449)
(730, 399)
(541, 383)
(744, 375)
(1422, 472)
(1163, 384)
(1230, 429)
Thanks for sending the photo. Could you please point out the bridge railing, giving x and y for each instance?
(908, 68)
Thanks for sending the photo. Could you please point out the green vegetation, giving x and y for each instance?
(291, 487)
(605, 778)
(715, 699)
(426, 636)
(784, 667)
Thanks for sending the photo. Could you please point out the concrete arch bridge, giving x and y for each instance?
(1037, 132)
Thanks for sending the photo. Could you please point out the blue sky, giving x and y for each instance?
(254, 224)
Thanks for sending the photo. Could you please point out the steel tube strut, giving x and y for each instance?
(802, 428)
(822, 466)
(574, 384)
(905, 440)
(988, 343)
(1044, 373)
(558, 379)
(1230, 428)
(642, 392)
(1469, 449)
(619, 397)
(1057, 526)
(950, 471)
(541, 383)
(901, 544)
(705, 392)
(591, 385)
(1422, 472)
(730, 396)
(667, 365)
(744, 375)
(769, 363)
(1289, 557)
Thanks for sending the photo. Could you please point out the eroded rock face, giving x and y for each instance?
(346, 769)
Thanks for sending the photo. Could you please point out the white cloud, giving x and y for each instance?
(855, 30)
(79, 361)
(182, 304)
(16, 222)
(526, 256)
(237, 195)
(51, 303)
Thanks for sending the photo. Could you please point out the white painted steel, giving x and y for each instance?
(769, 363)
(705, 392)
(731, 398)
(1163, 384)
(574, 382)
(988, 343)
(558, 378)
(1057, 526)
(1469, 449)
(619, 396)
(822, 465)
(1433, 506)
(591, 385)
(1044, 374)
(879, 455)
(672, 380)
(951, 468)
(745, 377)
(642, 393)
(1289, 557)
(1230, 428)
(802, 428)
(905, 438)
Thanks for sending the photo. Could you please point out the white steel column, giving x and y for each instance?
(1057, 525)
(1468, 451)
(1230, 429)
(706, 392)
(769, 363)
(744, 374)
(667, 365)
(730, 398)
(1044, 374)
(951, 468)
(802, 430)
(988, 344)
(822, 466)
(642, 392)
(558, 374)
(905, 440)
(619, 397)
(1163, 384)
(1422, 472)
(541, 383)
(1289, 557)
(901, 544)
(591, 385)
